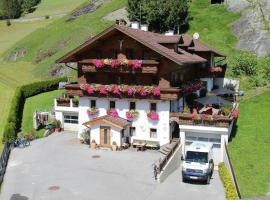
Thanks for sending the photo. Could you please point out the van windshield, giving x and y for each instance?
(193, 156)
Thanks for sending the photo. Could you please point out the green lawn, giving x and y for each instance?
(52, 7)
(41, 102)
(212, 22)
(250, 148)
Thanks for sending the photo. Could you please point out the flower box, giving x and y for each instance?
(153, 115)
(117, 63)
(92, 111)
(215, 70)
(131, 114)
(112, 112)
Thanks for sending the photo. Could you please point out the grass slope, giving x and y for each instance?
(54, 7)
(250, 149)
(9, 35)
(41, 102)
(212, 22)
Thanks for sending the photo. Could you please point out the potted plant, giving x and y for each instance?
(92, 111)
(112, 112)
(57, 126)
(131, 114)
(114, 146)
(86, 136)
(93, 144)
(153, 115)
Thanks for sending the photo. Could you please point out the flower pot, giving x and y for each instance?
(81, 141)
(58, 130)
(114, 147)
(93, 145)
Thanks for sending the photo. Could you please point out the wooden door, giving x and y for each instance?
(105, 136)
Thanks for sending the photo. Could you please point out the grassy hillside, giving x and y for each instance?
(54, 7)
(250, 148)
(212, 22)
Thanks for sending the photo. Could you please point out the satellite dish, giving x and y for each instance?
(196, 36)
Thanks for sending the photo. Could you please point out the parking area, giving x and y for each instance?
(59, 167)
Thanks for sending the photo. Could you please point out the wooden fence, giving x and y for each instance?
(4, 160)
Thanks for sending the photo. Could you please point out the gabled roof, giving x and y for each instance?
(197, 45)
(148, 39)
(117, 122)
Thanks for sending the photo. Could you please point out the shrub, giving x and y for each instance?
(14, 118)
(226, 179)
(244, 63)
(31, 135)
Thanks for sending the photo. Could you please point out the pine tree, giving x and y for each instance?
(11, 8)
(136, 11)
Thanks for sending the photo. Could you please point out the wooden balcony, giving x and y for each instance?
(165, 93)
(148, 67)
(186, 119)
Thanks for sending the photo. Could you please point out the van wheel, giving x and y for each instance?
(208, 179)
(184, 180)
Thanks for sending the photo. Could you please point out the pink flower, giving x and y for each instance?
(137, 64)
(113, 113)
(153, 116)
(98, 63)
(130, 91)
(143, 92)
(115, 63)
(90, 90)
(103, 90)
(129, 115)
(156, 91)
(116, 90)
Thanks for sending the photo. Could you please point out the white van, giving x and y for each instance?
(198, 162)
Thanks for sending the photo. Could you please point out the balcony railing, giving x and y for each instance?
(65, 102)
(148, 67)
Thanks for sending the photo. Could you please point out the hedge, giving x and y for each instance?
(14, 118)
(226, 179)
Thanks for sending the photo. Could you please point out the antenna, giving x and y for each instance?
(196, 36)
(140, 13)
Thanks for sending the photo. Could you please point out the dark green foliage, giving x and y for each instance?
(244, 64)
(161, 15)
(16, 110)
(10, 9)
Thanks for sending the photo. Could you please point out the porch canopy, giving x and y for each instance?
(222, 91)
(213, 100)
(117, 122)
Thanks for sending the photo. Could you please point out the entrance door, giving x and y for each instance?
(105, 136)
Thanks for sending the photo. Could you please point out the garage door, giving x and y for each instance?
(191, 137)
(71, 121)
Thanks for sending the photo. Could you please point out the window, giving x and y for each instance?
(153, 107)
(130, 54)
(133, 79)
(98, 54)
(112, 104)
(71, 119)
(132, 105)
(113, 79)
(153, 133)
(132, 131)
(146, 55)
(154, 80)
(113, 53)
(122, 133)
(92, 103)
(105, 136)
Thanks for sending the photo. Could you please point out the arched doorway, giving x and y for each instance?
(175, 130)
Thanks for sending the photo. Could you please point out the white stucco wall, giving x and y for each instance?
(142, 123)
(210, 83)
(206, 132)
(115, 134)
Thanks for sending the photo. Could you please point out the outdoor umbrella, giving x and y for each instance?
(213, 100)
(222, 91)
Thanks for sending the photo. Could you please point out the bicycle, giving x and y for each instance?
(21, 143)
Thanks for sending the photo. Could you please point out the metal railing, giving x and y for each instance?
(4, 160)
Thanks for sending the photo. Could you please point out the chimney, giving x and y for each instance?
(144, 27)
(169, 33)
(135, 25)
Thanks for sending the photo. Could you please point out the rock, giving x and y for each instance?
(91, 7)
(237, 5)
(118, 14)
(16, 55)
(59, 70)
(253, 28)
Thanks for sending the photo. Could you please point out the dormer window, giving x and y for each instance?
(130, 54)
(146, 55)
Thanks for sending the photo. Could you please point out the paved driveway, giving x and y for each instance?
(58, 167)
